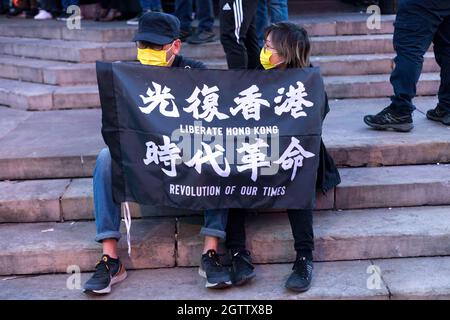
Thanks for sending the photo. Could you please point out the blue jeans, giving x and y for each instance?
(107, 212)
(278, 10)
(154, 5)
(215, 223)
(204, 13)
(418, 24)
(68, 3)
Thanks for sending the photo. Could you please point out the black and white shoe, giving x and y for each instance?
(135, 20)
(242, 268)
(217, 276)
(388, 119)
(301, 277)
(440, 115)
(201, 37)
(108, 272)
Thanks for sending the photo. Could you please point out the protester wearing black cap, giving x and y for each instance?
(158, 44)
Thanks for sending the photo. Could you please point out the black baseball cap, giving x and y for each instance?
(158, 28)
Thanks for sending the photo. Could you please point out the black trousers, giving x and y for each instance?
(301, 224)
(418, 24)
(238, 33)
(50, 5)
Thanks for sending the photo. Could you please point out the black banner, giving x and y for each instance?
(207, 139)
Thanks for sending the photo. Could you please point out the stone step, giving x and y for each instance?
(40, 97)
(339, 235)
(63, 73)
(48, 97)
(375, 86)
(58, 200)
(65, 144)
(365, 64)
(119, 31)
(32, 248)
(332, 280)
(72, 199)
(37, 248)
(358, 64)
(47, 71)
(57, 30)
(406, 278)
(84, 51)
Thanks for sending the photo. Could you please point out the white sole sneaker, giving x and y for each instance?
(114, 280)
(209, 285)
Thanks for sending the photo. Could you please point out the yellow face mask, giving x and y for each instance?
(264, 58)
(153, 57)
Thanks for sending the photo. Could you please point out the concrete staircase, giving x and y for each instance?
(392, 209)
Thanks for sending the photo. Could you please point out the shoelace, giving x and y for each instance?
(127, 220)
(301, 267)
(215, 257)
(100, 268)
(245, 257)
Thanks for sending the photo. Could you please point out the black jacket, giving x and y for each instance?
(182, 62)
(327, 175)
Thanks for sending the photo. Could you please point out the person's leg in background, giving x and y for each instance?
(68, 3)
(146, 6)
(242, 269)
(236, 16)
(415, 26)
(205, 16)
(113, 13)
(442, 54)
(64, 16)
(183, 11)
(217, 276)
(278, 10)
(107, 222)
(253, 49)
(262, 21)
(302, 230)
(46, 10)
(155, 5)
(4, 6)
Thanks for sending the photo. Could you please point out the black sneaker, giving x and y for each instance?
(300, 279)
(242, 268)
(135, 20)
(31, 13)
(217, 276)
(184, 35)
(63, 16)
(387, 119)
(14, 12)
(202, 37)
(439, 115)
(108, 272)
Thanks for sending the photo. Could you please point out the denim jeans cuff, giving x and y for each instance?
(108, 235)
(213, 233)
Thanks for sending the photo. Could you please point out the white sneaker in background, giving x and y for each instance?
(43, 15)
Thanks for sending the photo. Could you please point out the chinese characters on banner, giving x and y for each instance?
(205, 139)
